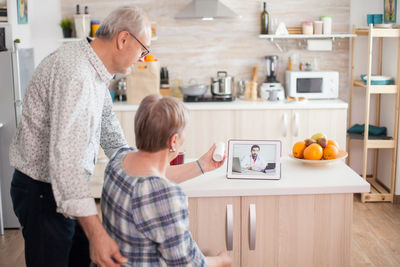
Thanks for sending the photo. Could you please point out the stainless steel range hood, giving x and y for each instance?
(206, 10)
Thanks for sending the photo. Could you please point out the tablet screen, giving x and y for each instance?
(254, 159)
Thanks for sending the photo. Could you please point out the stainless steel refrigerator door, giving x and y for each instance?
(23, 67)
(7, 117)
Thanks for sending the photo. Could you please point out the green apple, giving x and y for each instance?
(318, 136)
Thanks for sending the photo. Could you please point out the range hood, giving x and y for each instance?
(206, 10)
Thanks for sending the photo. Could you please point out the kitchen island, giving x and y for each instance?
(304, 219)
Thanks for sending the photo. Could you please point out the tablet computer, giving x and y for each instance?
(254, 159)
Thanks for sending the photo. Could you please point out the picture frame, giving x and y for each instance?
(254, 159)
(22, 11)
(3, 11)
(390, 11)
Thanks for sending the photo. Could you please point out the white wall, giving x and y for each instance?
(42, 31)
(45, 31)
(358, 11)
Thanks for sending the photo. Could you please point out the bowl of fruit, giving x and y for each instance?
(317, 150)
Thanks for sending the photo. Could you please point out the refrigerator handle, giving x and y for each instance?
(17, 86)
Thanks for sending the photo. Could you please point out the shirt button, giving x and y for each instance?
(41, 196)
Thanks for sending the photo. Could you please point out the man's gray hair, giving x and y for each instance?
(128, 18)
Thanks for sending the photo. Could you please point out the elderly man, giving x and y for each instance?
(67, 114)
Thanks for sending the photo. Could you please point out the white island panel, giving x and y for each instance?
(297, 179)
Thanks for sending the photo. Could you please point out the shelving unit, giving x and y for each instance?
(379, 192)
(273, 37)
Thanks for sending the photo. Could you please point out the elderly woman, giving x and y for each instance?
(146, 213)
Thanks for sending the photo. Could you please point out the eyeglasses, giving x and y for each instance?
(146, 51)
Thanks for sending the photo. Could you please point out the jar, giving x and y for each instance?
(318, 24)
(307, 27)
(327, 20)
(94, 26)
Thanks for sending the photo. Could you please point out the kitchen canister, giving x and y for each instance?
(94, 26)
(318, 25)
(327, 28)
(307, 27)
(82, 25)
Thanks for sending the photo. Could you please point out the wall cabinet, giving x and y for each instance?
(291, 230)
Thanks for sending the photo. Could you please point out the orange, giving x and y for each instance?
(149, 57)
(298, 149)
(331, 152)
(313, 152)
(332, 142)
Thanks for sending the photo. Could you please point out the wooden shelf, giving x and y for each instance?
(376, 143)
(377, 89)
(306, 36)
(378, 192)
(378, 32)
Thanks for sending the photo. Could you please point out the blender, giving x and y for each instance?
(271, 89)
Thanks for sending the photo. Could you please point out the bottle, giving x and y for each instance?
(264, 20)
(86, 10)
(290, 65)
(77, 10)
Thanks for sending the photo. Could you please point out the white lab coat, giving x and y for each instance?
(257, 165)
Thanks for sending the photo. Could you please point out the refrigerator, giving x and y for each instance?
(16, 68)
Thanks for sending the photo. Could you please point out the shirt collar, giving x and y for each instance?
(99, 66)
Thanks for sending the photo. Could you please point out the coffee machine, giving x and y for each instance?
(271, 89)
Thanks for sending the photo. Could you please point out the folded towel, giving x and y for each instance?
(372, 130)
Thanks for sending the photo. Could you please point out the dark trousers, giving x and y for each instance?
(50, 238)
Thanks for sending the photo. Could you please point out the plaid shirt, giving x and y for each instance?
(148, 218)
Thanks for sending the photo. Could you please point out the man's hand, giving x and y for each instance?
(104, 250)
(207, 162)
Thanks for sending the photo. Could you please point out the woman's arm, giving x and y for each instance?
(181, 173)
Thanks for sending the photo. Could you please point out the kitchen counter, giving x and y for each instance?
(251, 105)
(297, 179)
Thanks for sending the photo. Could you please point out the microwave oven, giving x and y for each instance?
(312, 84)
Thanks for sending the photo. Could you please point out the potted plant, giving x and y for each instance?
(66, 25)
(17, 43)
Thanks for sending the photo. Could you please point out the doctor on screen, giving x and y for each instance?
(253, 161)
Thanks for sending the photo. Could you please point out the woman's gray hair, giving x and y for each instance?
(128, 18)
(157, 120)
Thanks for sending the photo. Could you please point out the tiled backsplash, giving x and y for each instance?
(198, 49)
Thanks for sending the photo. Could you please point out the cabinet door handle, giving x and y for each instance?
(296, 124)
(285, 124)
(229, 227)
(252, 227)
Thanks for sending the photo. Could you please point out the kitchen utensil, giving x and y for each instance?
(252, 92)
(222, 85)
(272, 64)
(272, 92)
(271, 89)
(240, 88)
(194, 89)
(378, 80)
(342, 155)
